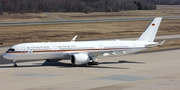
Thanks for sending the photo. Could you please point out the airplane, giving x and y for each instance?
(83, 52)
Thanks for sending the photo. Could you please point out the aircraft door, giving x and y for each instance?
(23, 49)
(29, 50)
(101, 47)
(134, 46)
(54, 48)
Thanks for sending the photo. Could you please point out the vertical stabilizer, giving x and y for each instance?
(150, 33)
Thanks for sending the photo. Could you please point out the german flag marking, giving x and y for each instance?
(153, 24)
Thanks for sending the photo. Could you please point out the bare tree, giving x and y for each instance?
(36, 6)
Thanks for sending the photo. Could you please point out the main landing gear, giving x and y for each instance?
(93, 63)
(14, 62)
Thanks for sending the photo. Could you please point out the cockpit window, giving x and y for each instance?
(10, 50)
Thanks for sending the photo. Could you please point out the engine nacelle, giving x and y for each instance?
(80, 59)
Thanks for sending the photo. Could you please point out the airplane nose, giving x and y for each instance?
(6, 56)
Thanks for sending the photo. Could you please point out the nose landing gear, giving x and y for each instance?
(14, 62)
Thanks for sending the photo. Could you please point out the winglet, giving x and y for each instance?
(73, 40)
(150, 33)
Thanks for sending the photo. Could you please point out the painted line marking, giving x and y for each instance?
(11, 71)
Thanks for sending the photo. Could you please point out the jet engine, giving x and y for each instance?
(80, 59)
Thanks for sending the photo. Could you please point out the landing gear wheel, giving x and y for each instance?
(90, 63)
(15, 65)
(93, 63)
(96, 63)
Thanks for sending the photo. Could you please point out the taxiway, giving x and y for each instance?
(144, 71)
(62, 21)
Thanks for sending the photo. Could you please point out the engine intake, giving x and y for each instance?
(80, 59)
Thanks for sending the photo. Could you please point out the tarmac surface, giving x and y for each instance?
(62, 21)
(143, 71)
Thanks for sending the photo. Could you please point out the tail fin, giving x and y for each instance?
(150, 33)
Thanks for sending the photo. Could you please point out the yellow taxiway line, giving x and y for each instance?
(8, 73)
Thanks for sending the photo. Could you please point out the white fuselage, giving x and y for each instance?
(62, 50)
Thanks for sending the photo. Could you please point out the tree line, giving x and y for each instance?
(168, 2)
(36, 6)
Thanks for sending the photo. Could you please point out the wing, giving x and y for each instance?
(99, 53)
(105, 53)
